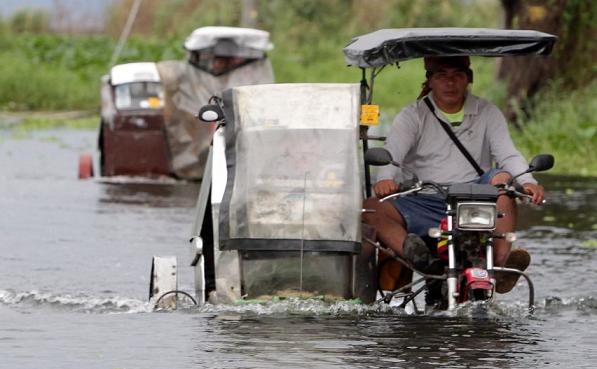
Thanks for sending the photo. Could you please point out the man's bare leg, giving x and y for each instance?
(507, 206)
(503, 253)
(390, 226)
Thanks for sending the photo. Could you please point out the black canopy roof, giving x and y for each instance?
(388, 46)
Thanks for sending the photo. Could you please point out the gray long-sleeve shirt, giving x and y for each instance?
(421, 146)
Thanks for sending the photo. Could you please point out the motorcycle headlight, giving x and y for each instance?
(476, 216)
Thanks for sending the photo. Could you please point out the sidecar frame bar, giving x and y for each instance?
(529, 283)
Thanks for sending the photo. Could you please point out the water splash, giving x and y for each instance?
(305, 307)
(82, 303)
(78, 303)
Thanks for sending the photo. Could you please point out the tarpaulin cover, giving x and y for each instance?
(293, 169)
(108, 109)
(187, 89)
(388, 46)
(208, 37)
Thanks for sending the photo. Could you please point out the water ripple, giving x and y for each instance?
(586, 304)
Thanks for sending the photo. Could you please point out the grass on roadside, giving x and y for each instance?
(61, 72)
(26, 86)
(564, 125)
(34, 123)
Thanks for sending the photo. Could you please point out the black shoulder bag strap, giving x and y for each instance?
(455, 139)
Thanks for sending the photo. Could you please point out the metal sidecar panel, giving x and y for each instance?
(267, 273)
(293, 168)
(226, 263)
(286, 194)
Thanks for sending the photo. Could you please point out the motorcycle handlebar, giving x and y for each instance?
(417, 187)
(513, 191)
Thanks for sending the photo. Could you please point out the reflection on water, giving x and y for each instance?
(570, 204)
(157, 194)
(375, 340)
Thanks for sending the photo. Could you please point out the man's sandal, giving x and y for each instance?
(518, 259)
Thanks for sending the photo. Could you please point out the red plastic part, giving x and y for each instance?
(475, 279)
(443, 225)
(85, 166)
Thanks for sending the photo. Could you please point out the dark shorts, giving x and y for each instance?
(421, 212)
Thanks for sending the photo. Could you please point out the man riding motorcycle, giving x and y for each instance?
(419, 143)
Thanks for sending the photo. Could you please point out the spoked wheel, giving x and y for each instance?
(174, 299)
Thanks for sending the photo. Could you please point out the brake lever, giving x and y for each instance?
(530, 198)
(512, 190)
(519, 194)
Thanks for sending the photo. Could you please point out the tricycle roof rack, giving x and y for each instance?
(389, 46)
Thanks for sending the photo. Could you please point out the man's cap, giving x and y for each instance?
(435, 63)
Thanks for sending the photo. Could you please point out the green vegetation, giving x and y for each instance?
(63, 71)
(565, 125)
(32, 123)
(40, 70)
(22, 126)
(59, 72)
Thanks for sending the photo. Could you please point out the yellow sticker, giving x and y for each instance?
(154, 102)
(369, 115)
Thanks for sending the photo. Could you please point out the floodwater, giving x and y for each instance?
(75, 259)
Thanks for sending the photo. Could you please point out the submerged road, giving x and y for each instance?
(75, 258)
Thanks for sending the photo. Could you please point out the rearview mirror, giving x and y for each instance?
(210, 113)
(378, 156)
(541, 163)
(538, 164)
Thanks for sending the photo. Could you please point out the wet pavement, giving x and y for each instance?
(75, 259)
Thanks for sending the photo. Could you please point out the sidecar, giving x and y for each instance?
(279, 209)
